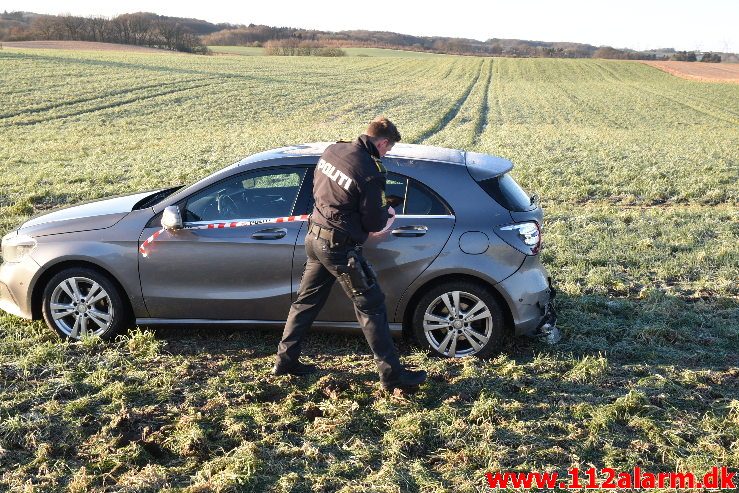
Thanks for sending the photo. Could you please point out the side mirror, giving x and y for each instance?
(171, 217)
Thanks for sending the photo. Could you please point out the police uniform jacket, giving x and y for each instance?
(349, 189)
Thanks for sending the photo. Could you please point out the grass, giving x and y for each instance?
(361, 52)
(238, 50)
(637, 171)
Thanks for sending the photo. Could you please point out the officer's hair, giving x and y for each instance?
(382, 128)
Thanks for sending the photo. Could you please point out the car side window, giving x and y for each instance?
(259, 194)
(421, 201)
(395, 188)
(406, 195)
(413, 197)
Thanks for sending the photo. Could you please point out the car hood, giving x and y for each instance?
(98, 214)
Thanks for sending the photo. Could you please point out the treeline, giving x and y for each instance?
(141, 29)
(615, 54)
(295, 47)
(691, 56)
(194, 35)
(259, 35)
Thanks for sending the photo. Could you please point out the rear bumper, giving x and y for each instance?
(15, 287)
(529, 294)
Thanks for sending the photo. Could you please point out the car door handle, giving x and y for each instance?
(410, 231)
(270, 234)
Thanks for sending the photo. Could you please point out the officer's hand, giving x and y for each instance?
(389, 223)
(393, 200)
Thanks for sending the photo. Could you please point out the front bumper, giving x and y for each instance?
(16, 287)
(529, 294)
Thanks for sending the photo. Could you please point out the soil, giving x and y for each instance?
(80, 45)
(706, 72)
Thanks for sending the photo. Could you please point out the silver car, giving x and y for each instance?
(459, 266)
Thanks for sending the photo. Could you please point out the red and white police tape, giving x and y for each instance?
(233, 224)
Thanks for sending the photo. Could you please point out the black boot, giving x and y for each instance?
(298, 369)
(404, 379)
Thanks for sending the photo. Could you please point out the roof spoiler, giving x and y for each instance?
(484, 166)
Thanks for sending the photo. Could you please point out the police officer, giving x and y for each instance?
(349, 195)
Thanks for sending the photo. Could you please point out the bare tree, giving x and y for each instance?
(46, 27)
(72, 25)
(169, 31)
(98, 26)
(120, 32)
(140, 28)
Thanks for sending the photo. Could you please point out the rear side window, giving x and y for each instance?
(406, 195)
(421, 201)
(505, 191)
(412, 197)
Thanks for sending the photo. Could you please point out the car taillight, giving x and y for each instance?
(527, 233)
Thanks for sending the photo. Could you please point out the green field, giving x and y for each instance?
(238, 50)
(381, 52)
(638, 173)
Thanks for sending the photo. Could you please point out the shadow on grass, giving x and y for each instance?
(645, 382)
(658, 330)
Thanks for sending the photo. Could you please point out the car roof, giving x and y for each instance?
(480, 166)
(400, 150)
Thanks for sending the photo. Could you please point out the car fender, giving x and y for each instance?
(494, 265)
(112, 250)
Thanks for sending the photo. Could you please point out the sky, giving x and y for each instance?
(707, 25)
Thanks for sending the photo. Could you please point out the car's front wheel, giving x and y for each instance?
(458, 319)
(81, 301)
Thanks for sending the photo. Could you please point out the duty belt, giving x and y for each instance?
(334, 237)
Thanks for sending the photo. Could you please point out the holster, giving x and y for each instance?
(359, 273)
(369, 271)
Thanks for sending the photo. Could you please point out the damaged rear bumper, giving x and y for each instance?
(530, 296)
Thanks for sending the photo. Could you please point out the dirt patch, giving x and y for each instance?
(81, 45)
(706, 72)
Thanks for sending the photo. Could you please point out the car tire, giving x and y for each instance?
(459, 332)
(68, 309)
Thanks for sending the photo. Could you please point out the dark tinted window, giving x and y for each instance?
(406, 195)
(504, 190)
(262, 194)
(416, 198)
(395, 188)
(421, 201)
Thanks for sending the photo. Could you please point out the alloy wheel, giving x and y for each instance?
(79, 306)
(457, 324)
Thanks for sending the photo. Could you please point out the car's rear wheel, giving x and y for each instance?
(80, 301)
(459, 319)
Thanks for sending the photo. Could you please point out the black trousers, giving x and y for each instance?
(321, 271)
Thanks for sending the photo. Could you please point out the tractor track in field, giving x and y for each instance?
(720, 112)
(695, 109)
(71, 102)
(700, 111)
(483, 119)
(140, 66)
(452, 111)
(104, 106)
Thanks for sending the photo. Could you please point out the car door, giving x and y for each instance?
(422, 226)
(233, 273)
